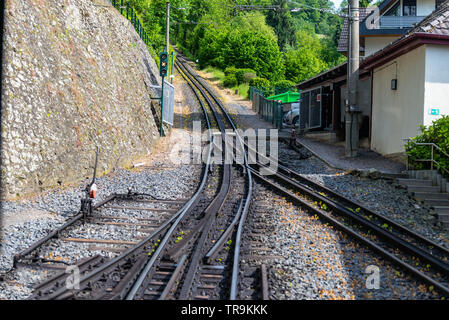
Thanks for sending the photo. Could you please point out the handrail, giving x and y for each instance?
(130, 14)
(431, 160)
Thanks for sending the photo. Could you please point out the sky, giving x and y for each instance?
(337, 3)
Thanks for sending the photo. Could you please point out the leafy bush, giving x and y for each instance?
(230, 70)
(284, 86)
(230, 81)
(248, 76)
(437, 133)
(262, 84)
(240, 73)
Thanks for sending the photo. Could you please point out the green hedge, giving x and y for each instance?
(262, 84)
(230, 70)
(284, 86)
(240, 73)
(437, 133)
(230, 81)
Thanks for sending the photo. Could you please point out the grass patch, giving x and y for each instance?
(243, 90)
(216, 74)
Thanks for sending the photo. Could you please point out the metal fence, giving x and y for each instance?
(127, 11)
(271, 111)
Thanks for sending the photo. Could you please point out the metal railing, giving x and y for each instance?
(399, 22)
(432, 160)
(129, 13)
(271, 111)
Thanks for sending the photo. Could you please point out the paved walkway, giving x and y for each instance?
(334, 156)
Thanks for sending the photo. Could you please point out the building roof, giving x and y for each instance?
(437, 22)
(332, 73)
(433, 29)
(344, 35)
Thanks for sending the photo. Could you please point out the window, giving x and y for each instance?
(409, 8)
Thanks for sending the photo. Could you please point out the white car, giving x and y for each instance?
(292, 117)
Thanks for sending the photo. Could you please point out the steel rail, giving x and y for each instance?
(236, 259)
(383, 218)
(138, 283)
(62, 292)
(56, 232)
(419, 238)
(225, 235)
(173, 278)
(214, 207)
(440, 287)
(391, 237)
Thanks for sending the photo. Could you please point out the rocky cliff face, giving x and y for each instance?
(76, 75)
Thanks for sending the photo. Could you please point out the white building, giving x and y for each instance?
(410, 82)
(404, 74)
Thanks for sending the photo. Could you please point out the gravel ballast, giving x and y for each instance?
(26, 221)
(319, 261)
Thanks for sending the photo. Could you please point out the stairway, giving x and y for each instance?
(430, 187)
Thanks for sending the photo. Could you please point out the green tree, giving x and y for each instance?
(302, 64)
(282, 23)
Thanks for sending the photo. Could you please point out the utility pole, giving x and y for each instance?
(167, 31)
(352, 109)
(167, 46)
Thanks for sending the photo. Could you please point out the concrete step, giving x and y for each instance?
(441, 210)
(437, 202)
(423, 196)
(386, 175)
(427, 189)
(414, 182)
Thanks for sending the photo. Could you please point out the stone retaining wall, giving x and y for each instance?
(75, 75)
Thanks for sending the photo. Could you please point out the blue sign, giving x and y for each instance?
(434, 112)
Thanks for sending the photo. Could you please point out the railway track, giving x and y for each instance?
(229, 243)
(116, 225)
(417, 255)
(198, 276)
(208, 246)
(424, 259)
(163, 258)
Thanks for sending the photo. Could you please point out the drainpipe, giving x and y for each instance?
(2, 39)
(352, 109)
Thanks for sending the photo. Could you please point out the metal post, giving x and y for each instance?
(352, 110)
(162, 107)
(172, 65)
(431, 159)
(127, 11)
(121, 6)
(167, 31)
